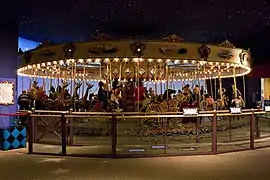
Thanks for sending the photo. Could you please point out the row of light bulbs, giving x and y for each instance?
(116, 60)
(149, 80)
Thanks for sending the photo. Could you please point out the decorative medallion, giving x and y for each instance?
(226, 44)
(102, 48)
(172, 50)
(69, 50)
(115, 72)
(128, 71)
(141, 71)
(152, 71)
(225, 54)
(47, 53)
(204, 51)
(242, 56)
(137, 48)
(182, 51)
(173, 38)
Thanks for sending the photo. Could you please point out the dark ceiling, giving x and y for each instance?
(244, 23)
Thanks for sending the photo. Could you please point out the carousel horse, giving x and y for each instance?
(237, 100)
(63, 100)
(163, 104)
(221, 101)
(84, 103)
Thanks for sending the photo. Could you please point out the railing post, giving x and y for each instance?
(214, 133)
(30, 133)
(71, 137)
(252, 129)
(258, 133)
(114, 135)
(64, 134)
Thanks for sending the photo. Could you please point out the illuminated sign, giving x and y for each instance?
(159, 147)
(6, 93)
(235, 110)
(136, 150)
(190, 111)
(267, 108)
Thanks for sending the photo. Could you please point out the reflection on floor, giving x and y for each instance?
(248, 165)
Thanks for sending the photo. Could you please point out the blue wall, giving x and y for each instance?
(26, 44)
(8, 61)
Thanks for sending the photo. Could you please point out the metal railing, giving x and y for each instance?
(116, 118)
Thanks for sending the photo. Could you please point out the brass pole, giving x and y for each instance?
(244, 87)
(110, 76)
(83, 79)
(199, 83)
(220, 83)
(72, 76)
(44, 83)
(50, 82)
(234, 81)
(58, 83)
(204, 76)
(120, 73)
(30, 82)
(160, 78)
(74, 82)
(167, 81)
(211, 86)
(137, 77)
(155, 78)
(22, 82)
(215, 88)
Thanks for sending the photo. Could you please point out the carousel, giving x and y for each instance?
(69, 73)
(174, 75)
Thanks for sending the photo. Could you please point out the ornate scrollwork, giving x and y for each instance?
(203, 105)
(137, 48)
(102, 48)
(225, 54)
(204, 51)
(173, 49)
(226, 44)
(173, 38)
(69, 50)
(242, 56)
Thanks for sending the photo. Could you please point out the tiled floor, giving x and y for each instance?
(16, 165)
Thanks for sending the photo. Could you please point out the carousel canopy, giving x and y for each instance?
(169, 58)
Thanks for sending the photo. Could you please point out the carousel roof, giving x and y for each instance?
(149, 60)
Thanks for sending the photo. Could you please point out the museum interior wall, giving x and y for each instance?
(8, 60)
(266, 89)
